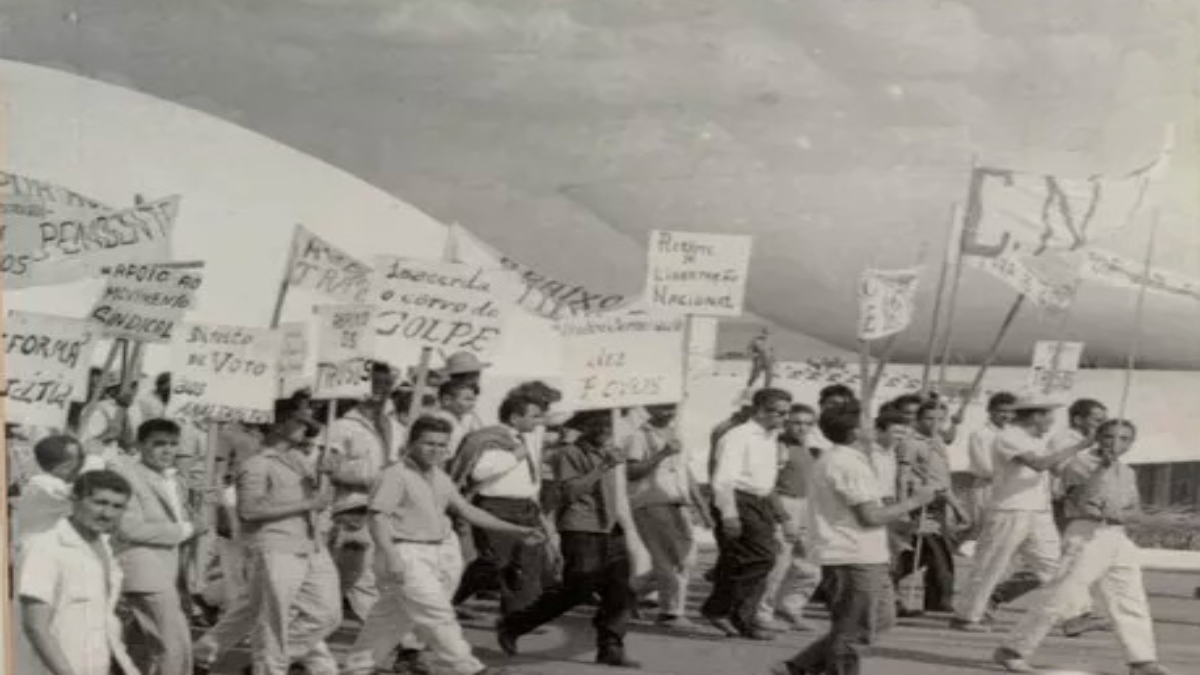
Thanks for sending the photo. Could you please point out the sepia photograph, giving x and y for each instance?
(573, 337)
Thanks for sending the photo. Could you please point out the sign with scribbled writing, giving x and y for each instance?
(46, 360)
(16, 185)
(145, 302)
(697, 274)
(48, 243)
(319, 266)
(224, 373)
(293, 357)
(1049, 280)
(616, 361)
(1055, 365)
(445, 306)
(345, 345)
(887, 301)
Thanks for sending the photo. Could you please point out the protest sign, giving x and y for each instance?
(1055, 365)
(57, 244)
(16, 185)
(320, 266)
(293, 356)
(886, 301)
(145, 302)
(224, 373)
(444, 306)
(616, 361)
(534, 290)
(1108, 268)
(345, 345)
(46, 360)
(698, 274)
(1048, 280)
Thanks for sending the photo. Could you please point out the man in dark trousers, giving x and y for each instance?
(595, 556)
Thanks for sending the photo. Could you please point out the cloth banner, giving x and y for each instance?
(16, 185)
(1108, 268)
(533, 290)
(622, 361)
(46, 361)
(319, 266)
(345, 346)
(1049, 280)
(225, 373)
(448, 307)
(1055, 365)
(53, 243)
(293, 357)
(146, 302)
(887, 301)
(697, 274)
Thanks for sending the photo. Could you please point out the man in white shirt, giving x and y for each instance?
(68, 586)
(979, 456)
(456, 403)
(747, 468)
(848, 522)
(1019, 518)
(46, 497)
(499, 472)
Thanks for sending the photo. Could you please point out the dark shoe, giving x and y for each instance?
(507, 640)
(1147, 668)
(201, 669)
(722, 624)
(412, 662)
(1088, 623)
(905, 613)
(617, 659)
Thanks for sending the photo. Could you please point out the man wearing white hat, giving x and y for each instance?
(1019, 518)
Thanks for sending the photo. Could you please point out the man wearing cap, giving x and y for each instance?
(1019, 517)
(463, 367)
(365, 440)
(1101, 496)
(292, 578)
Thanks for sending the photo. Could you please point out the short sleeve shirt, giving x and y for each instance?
(842, 479)
(415, 502)
(1016, 487)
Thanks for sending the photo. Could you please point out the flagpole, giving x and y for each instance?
(285, 284)
(939, 297)
(1135, 342)
(956, 247)
(993, 351)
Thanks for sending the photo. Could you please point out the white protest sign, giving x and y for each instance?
(16, 185)
(886, 301)
(224, 373)
(145, 302)
(445, 306)
(345, 345)
(697, 274)
(621, 361)
(46, 360)
(1055, 365)
(320, 266)
(47, 244)
(293, 356)
(1048, 280)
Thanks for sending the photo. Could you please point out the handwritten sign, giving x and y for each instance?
(225, 373)
(16, 185)
(621, 361)
(345, 345)
(698, 274)
(320, 266)
(887, 301)
(1055, 365)
(436, 304)
(292, 358)
(1048, 280)
(47, 244)
(1111, 269)
(145, 302)
(46, 360)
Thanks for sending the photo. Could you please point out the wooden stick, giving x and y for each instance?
(420, 385)
(285, 284)
(212, 502)
(939, 296)
(916, 573)
(993, 351)
(1135, 342)
(864, 365)
(885, 355)
(956, 280)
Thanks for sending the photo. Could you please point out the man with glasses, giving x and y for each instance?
(747, 468)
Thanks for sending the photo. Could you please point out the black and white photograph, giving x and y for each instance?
(574, 337)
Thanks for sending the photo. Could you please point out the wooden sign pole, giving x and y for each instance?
(992, 353)
(939, 296)
(1139, 311)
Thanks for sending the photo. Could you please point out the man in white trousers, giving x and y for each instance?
(1101, 494)
(418, 558)
(979, 455)
(1019, 517)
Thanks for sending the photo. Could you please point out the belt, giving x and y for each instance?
(1100, 520)
(422, 542)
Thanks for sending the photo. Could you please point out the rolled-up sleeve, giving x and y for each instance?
(38, 579)
(856, 484)
(388, 493)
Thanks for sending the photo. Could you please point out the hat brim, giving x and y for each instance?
(1035, 406)
(477, 368)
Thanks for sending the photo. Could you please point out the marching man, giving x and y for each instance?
(1101, 496)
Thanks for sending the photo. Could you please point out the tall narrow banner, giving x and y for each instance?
(533, 290)
(293, 357)
(224, 373)
(622, 361)
(146, 302)
(345, 346)
(887, 301)
(319, 266)
(445, 306)
(697, 274)
(1055, 365)
(46, 360)
(57, 244)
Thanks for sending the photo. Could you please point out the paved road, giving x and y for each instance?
(917, 647)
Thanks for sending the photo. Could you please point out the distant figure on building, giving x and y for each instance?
(762, 359)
